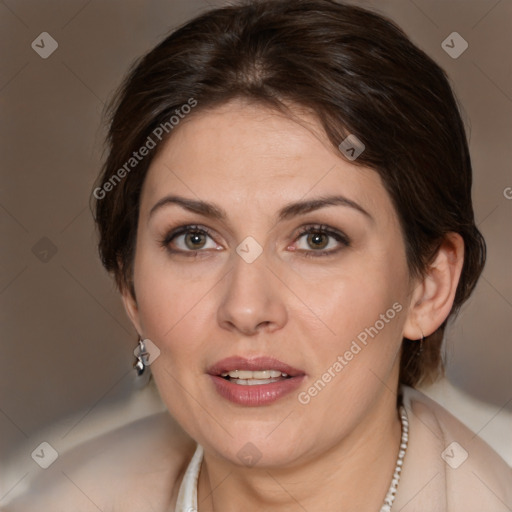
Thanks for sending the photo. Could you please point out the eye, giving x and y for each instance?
(320, 240)
(189, 239)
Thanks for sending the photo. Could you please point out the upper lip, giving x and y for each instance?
(252, 364)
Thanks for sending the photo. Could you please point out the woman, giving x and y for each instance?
(286, 209)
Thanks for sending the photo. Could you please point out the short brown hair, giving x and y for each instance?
(358, 72)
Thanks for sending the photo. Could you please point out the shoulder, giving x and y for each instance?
(445, 455)
(136, 467)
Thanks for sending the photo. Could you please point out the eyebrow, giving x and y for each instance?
(302, 207)
(201, 207)
(291, 210)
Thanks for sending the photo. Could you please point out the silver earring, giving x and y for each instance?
(420, 351)
(140, 358)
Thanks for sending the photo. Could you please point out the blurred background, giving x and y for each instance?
(66, 344)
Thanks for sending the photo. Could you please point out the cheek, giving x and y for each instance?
(364, 328)
(169, 301)
(358, 349)
(354, 295)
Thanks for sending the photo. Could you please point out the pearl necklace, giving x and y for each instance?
(390, 496)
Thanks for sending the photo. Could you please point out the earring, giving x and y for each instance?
(141, 358)
(420, 350)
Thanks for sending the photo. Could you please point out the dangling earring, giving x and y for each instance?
(420, 350)
(140, 361)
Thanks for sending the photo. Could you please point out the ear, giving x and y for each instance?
(433, 295)
(131, 308)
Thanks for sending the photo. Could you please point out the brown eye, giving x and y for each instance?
(195, 240)
(189, 239)
(317, 240)
(321, 241)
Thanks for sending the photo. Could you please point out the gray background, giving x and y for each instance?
(66, 344)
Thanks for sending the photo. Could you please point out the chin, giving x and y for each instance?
(252, 446)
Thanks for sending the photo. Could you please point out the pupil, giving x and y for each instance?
(194, 239)
(318, 240)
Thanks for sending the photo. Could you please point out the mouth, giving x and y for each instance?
(254, 382)
(254, 369)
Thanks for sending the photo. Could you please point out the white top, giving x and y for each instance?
(187, 497)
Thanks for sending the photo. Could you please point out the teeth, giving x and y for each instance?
(258, 375)
(254, 382)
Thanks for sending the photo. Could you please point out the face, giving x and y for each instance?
(260, 248)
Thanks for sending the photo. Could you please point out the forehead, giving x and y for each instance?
(242, 152)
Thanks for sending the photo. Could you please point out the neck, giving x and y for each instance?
(354, 474)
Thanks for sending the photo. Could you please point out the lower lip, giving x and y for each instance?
(257, 395)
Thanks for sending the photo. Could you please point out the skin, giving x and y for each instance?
(249, 161)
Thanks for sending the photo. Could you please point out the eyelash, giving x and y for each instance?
(323, 230)
(314, 229)
(181, 231)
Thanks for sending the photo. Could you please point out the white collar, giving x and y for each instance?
(187, 496)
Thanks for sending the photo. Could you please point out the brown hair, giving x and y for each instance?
(358, 72)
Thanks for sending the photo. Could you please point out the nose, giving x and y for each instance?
(252, 300)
